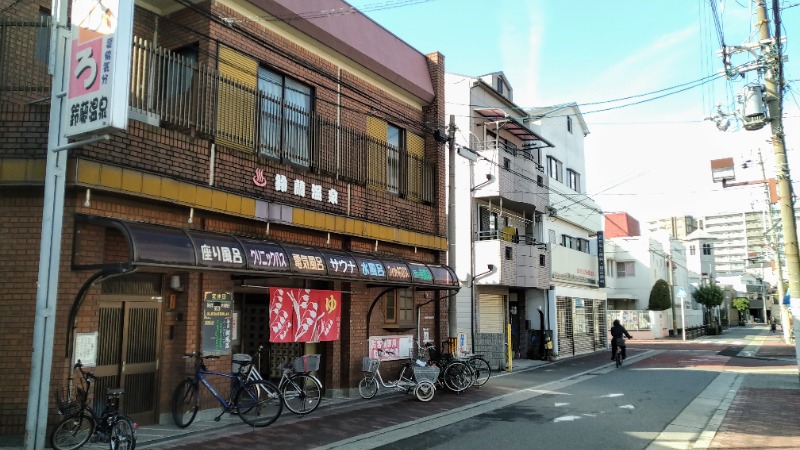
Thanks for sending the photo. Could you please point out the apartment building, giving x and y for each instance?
(573, 232)
(677, 226)
(278, 182)
(499, 202)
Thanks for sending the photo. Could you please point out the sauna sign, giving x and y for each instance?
(217, 323)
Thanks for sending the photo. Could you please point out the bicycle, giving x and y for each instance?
(618, 355)
(412, 378)
(81, 423)
(256, 402)
(300, 391)
(481, 369)
(456, 375)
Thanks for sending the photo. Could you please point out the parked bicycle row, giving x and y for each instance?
(423, 377)
(257, 401)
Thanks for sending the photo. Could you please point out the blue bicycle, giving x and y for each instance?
(257, 402)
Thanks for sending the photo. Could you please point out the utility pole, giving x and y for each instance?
(773, 81)
(672, 295)
(451, 221)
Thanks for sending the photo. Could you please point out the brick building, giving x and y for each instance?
(268, 146)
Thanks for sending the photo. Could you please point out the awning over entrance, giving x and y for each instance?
(152, 245)
(511, 125)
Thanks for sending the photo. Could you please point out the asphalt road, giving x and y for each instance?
(665, 395)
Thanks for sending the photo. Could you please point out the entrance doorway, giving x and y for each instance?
(127, 354)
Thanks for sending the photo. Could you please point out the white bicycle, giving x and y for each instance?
(301, 391)
(419, 379)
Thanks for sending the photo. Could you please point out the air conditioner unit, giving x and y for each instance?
(552, 211)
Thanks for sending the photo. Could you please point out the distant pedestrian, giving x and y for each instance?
(617, 331)
(773, 324)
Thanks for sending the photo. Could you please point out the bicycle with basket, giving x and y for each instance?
(81, 423)
(301, 392)
(419, 380)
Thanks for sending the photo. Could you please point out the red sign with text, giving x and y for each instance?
(304, 315)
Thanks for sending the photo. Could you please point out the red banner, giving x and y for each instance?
(304, 315)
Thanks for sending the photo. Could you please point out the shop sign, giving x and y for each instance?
(399, 346)
(217, 250)
(304, 315)
(265, 255)
(420, 272)
(397, 271)
(306, 260)
(98, 70)
(217, 323)
(371, 268)
(298, 187)
(340, 264)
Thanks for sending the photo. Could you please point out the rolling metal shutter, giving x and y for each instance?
(491, 313)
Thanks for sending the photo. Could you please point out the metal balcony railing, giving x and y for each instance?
(173, 91)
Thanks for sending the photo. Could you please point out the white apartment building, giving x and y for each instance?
(572, 225)
(634, 264)
(499, 198)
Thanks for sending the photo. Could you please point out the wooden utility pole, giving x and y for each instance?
(773, 82)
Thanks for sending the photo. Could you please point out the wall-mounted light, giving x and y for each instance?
(175, 283)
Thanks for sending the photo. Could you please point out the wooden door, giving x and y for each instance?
(129, 337)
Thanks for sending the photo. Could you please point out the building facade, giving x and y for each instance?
(499, 199)
(575, 307)
(274, 164)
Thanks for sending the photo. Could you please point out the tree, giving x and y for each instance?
(710, 295)
(660, 296)
(741, 304)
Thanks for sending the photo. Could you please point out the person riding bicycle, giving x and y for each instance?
(617, 331)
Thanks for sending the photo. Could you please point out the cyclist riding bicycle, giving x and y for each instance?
(617, 331)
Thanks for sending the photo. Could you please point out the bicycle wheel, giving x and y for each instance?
(618, 359)
(424, 391)
(482, 370)
(185, 403)
(259, 403)
(368, 386)
(457, 376)
(73, 431)
(301, 394)
(123, 434)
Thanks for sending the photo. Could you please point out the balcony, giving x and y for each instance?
(519, 179)
(168, 90)
(519, 259)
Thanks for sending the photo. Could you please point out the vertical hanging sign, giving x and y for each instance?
(217, 323)
(99, 66)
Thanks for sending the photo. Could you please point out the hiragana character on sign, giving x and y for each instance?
(85, 62)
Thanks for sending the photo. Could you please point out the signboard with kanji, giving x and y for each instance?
(99, 66)
(217, 323)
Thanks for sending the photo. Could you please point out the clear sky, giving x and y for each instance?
(652, 159)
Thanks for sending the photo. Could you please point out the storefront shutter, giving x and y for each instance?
(491, 313)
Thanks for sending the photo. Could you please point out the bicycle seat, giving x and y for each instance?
(115, 392)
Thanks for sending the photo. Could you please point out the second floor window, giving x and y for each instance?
(554, 168)
(395, 138)
(625, 269)
(706, 249)
(285, 117)
(574, 180)
(569, 124)
(567, 241)
(692, 250)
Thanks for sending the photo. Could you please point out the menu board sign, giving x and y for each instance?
(217, 323)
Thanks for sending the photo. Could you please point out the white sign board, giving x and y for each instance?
(99, 66)
(86, 349)
(399, 346)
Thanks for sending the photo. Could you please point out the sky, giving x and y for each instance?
(650, 159)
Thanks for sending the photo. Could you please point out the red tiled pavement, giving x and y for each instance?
(761, 418)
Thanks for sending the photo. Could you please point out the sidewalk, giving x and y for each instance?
(765, 411)
(156, 436)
